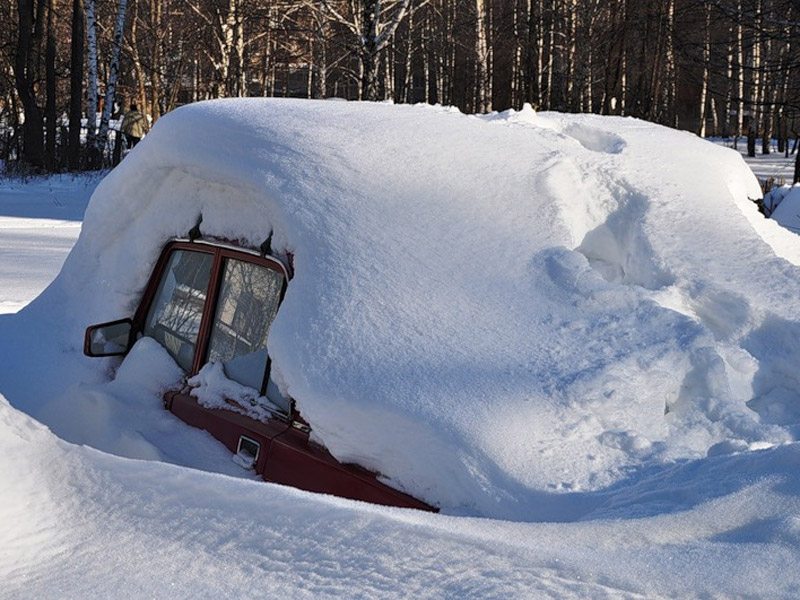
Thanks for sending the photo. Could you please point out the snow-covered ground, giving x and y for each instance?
(40, 219)
(715, 513)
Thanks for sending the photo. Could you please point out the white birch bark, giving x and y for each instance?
(623, 92)
(426, 61)
(728, 90)
(539, 54)
(133, 48)
(240, 53)
(706, 68)
(516, 65)
(551, 52)
(156, 14)
(740, 74)
(482, 69)
(408, 79)
(92, 94)
(226, 47)
(113, 74)
(587, 89)
(572, 28)
(756, 92)
(320, 58)
(671, 72)
(371, 25)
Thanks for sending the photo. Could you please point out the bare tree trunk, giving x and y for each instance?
(784, 98)
(156, 17)
(111, 86)
(371, 31)
(671, 70)
(796, 178)
(138, 69)
(769, 121)
(92, 93)
(572, 34)
(516, 60)
(726, 117)
(768, 102)
(740, 74)
(551, 53)
(50, 84)
(756, 92)
(623, 90)
(320, 58)
(714, 106)
(408, 78)
(27, 51)
(588, 103)
(538, 96)
(701, 131)
(388, 63)
(483, 100)
(76, 85)
(240, 54)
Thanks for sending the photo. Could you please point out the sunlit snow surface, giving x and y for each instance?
(40, 219)
(527, 317)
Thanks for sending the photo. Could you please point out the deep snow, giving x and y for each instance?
(598, 292)
(82, 524)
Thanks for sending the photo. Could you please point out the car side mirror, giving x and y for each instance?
(109, 339)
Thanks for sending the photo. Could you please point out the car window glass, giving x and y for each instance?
(177, 309)
(247, 304)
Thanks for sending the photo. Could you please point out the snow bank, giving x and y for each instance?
(783, 204)
(483, 309)
(78, 523)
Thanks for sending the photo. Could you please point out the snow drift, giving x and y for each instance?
(783, 205)
(484, 309)
(78, 523)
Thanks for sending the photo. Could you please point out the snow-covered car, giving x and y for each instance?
(210, 305)
(482, 314)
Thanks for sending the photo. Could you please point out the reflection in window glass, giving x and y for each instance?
(176, 311)
(248, 302)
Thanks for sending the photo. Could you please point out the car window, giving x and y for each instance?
(248, 301)
(177, 308)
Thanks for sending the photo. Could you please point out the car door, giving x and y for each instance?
(210, 304)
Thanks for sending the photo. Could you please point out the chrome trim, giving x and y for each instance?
(301, 426)
(234, 248)
(244, 457)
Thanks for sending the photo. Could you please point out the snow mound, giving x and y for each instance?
(784, 205)
(78, 523)
(483, 309)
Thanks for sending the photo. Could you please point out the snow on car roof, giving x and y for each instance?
(483, 308)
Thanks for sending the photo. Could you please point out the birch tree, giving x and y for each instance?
(483, 73)
(97, 142)
(92, 92)
(113, 74)
(706, 71)
(370, 25)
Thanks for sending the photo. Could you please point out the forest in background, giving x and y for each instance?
(716, 67)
